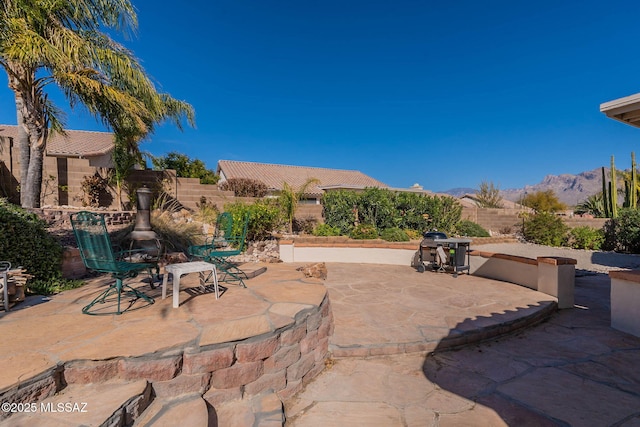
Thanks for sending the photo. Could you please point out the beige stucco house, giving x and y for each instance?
(68, 159)
(274, 176)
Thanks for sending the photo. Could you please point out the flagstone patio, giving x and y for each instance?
(236, 360)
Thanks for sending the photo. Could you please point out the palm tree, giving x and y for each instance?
(62, 43)
(289, 198)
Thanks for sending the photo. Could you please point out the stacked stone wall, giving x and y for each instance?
(282, 362)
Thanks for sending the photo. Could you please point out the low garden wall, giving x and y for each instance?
(344, 249)
(554, 276)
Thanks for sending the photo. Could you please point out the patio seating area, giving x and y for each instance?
(259, 353)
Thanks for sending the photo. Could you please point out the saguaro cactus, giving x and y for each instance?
(633, 199)
(613, 189)
(605, 195)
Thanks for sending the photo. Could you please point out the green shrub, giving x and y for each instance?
(414, 234)
(386, 209)
(376, 206)
(339, 209)
(545, 229)
(364, 231)
(245, 187)
(623, 233)
(394, 234)
(264, 218)
(25, 242)
(326, 230)
(586, 237)
(471, 229)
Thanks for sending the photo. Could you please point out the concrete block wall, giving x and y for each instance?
(494, 219)
(501, 219)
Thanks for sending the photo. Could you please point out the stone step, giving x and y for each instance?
(264, 410)
(105, 404)
(188, 410)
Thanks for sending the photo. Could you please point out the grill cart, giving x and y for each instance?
(443, 254)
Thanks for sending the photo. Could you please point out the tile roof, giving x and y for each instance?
(275, 175)
(76, 143)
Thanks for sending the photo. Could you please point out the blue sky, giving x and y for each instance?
(444, 95)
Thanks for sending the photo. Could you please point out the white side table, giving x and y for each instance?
(177, 270)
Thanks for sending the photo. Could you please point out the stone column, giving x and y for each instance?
(556, 277)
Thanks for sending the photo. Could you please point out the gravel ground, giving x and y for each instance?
(594, 261)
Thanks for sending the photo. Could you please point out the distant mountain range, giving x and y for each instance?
(570, 189)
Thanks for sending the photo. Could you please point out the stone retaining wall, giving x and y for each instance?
(283, 362)
(63, 216)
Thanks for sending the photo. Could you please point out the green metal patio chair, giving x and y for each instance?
(221, 238)
(5, 266)
(98, 255)
(218, 252)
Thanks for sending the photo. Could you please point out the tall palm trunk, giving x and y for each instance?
(32, 135)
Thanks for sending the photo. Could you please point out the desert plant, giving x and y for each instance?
(488, 195)
(207, 212)
(623, 233)
(592, 205)
(471, 229)
(394, 234)
(585, 237)
(545, 228)
(244, 187)
(288, 198)
(543, 201)
(93, 188)
(326, 230)
(124, 161)
(364, 231)
(505, 230)
(304, 225)
(175, 236)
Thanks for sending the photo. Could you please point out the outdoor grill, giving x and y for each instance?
(443, 254)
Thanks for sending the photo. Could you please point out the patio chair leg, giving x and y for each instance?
(229, 269)
(116, 288)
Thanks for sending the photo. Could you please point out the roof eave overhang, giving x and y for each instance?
(625, 110)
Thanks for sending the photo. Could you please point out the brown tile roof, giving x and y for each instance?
(76, 143)
(275, 175)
